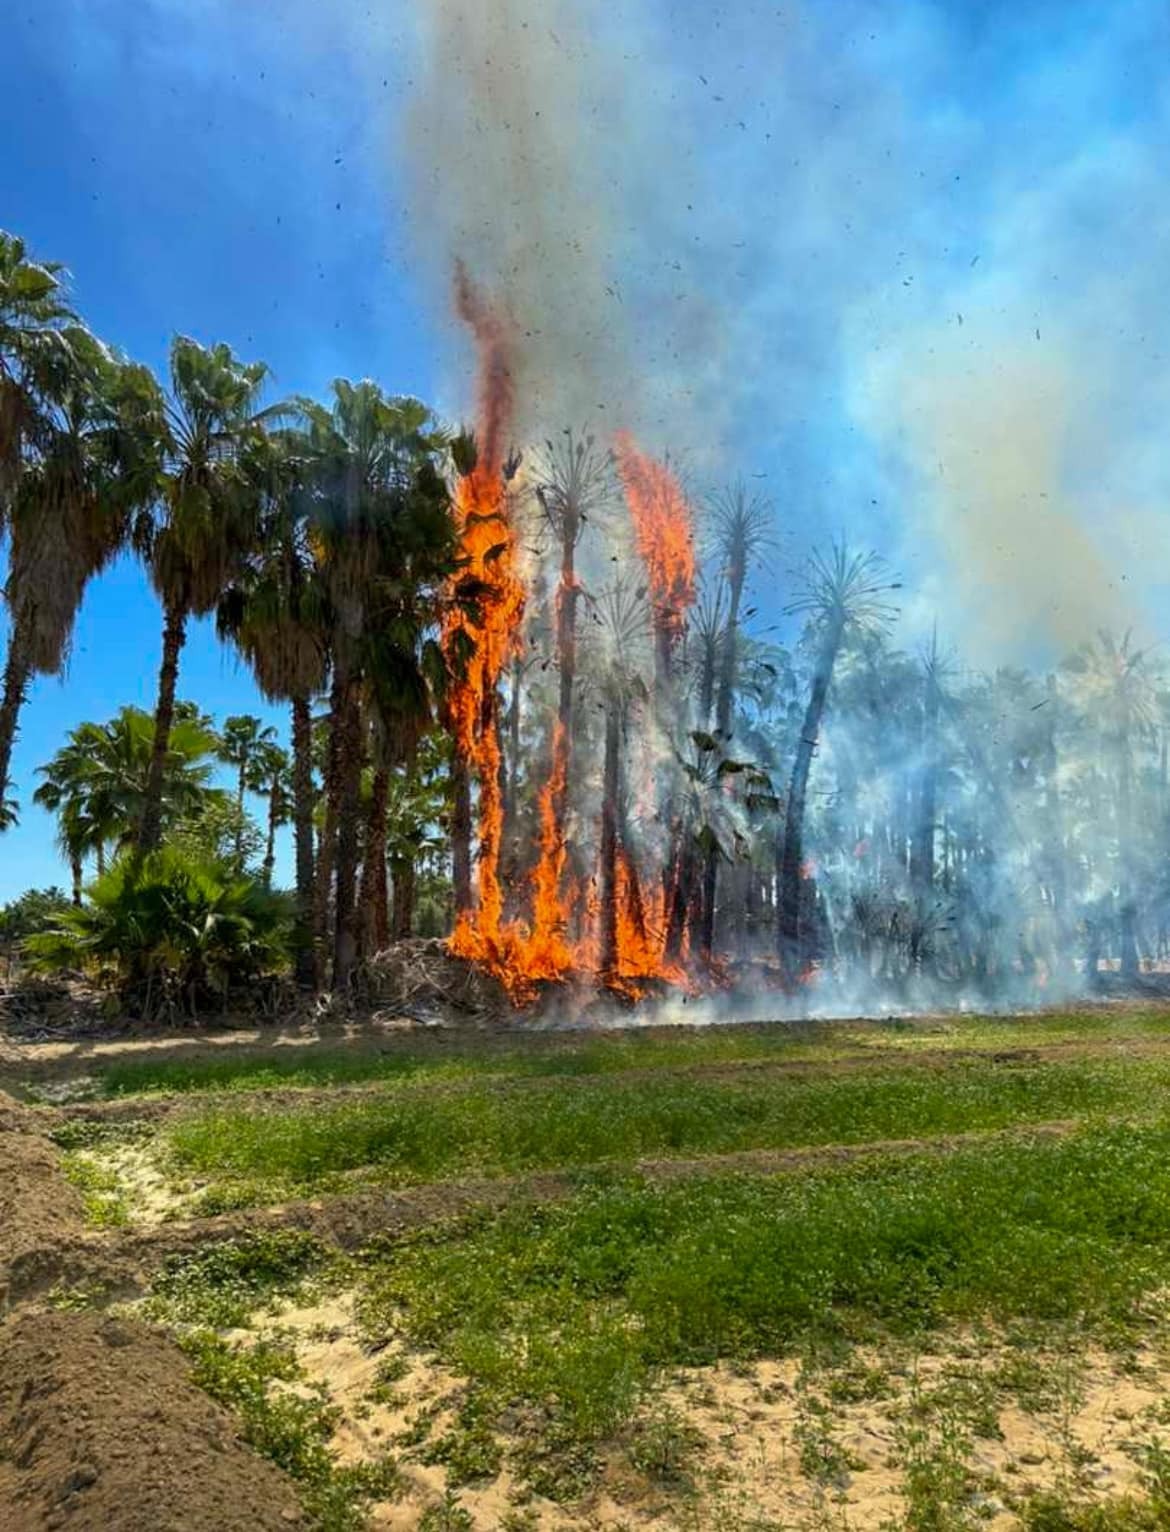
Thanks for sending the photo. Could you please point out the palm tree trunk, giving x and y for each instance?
(303, 805)
(461, 834)
(725, 698)
(270, 848)
(922, 840)
(240, 789)
(680, 893)
(349, 776)
(101, 858)
(402, 870)
(609, 827)
(730, 656)
(709, 894)
(327, 846)
(76, 873)
(16, 677)
(375, 922)
(174, 635)
(1128, 912)
(790, 944)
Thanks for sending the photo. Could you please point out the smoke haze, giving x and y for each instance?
(858, 256)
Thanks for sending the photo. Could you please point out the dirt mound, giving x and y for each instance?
(38, 1207)
(15, 1117)
(105, 1432)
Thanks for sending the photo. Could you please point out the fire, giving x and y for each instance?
(487, 548)
(489, 558)
(641, 930)
(547, 950)
(663, 528)
(479, 646)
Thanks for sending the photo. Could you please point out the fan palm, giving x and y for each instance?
(241, 742)
(89, 461)
(622, 626)
(841, 590)
(384, 538)
(270, 775)
(97, 782)
(38, 330)
(206, 520)
(1115, 686)
(276, 614)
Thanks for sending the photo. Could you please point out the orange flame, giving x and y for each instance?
(641, 932)
(480, 644)
(484, 643)
(548, 948)
(664, 529)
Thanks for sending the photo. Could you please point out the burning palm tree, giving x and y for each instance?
(842, 590)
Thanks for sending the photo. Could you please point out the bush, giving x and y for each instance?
(170, 932)
(35, 910)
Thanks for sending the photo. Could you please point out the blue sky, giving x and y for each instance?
(907, 262)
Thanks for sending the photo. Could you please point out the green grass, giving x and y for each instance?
(420, 1137)
(293, 1430)
(223, 1285)
(578, 1054)
(565, 1315)
(102, 1200)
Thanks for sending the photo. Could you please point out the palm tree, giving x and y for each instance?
(87, 440)
(623, 625)
(742, 523)
(1117, 693)
(384, 538)
(922, 845)
(742, 534)
(205, 522)
(276, 614)
(842, 590)
(418, 803)
(270, 775)
(65, 792)
(96, 783)
(38, 331)
(242, 740)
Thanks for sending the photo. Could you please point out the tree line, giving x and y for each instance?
(894, 819)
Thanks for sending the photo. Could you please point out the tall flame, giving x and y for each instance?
(489, 557)
(549, 911)
(479, 645)
(663, 529)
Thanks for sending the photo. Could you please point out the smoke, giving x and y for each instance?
(992, 429)
(510, 148)
(816, 244)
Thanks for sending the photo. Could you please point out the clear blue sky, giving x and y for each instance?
(855, 190)
(202, 170)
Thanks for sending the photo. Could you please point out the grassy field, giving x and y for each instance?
(568, 1053)
(966, 1329)
(432, 1135)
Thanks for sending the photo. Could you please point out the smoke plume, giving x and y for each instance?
(509, 145)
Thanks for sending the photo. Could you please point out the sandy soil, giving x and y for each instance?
(779, 1444)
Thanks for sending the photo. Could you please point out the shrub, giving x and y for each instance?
(171, 933)
(35, 910)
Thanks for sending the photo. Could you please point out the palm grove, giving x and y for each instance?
(891, 818)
